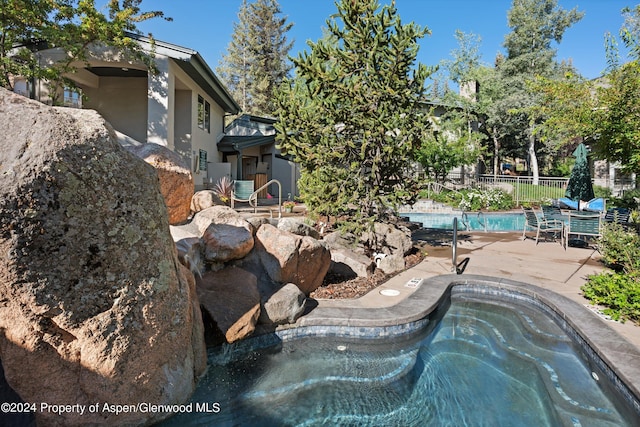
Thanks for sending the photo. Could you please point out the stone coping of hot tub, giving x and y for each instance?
(622, 359)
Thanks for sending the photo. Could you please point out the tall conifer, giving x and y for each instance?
(353, 116)
(256, 60)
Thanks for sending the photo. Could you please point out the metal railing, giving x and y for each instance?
(253, 198)
(521, 188)
(456, 267)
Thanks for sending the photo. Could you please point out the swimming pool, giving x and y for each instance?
(470, 221)
(485, 357)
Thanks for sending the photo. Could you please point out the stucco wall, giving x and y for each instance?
(123, 103)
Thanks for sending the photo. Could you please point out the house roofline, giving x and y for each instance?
(195, 66)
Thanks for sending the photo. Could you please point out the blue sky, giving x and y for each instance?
(206, 26)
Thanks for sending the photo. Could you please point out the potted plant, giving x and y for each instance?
(223, 189)
(288, 206)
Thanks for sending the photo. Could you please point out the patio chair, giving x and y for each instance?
(550, 212)
(243, 192)
(540, 224)
(618, 215)
(582, 224)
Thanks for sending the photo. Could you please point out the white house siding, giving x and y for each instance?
(122, 102)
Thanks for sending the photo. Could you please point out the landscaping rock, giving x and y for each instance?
(284, 306)
(350, 264)
(392, 239)
(95, 306)
(297, 226)
(190, 254)
(391, 263)
(226, 235)
(176, 180)
(230, 296)
(202, 200)
(287, 257)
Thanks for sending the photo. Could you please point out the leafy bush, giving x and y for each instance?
(620, 248)
(619, 292)
(603, 192)
(475, 200)
(628, 200)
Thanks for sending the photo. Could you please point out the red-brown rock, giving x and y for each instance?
(176, 180)
(94, 306)
(287, 257)
(232, 299)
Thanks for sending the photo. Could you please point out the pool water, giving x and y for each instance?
(482, 363)
(471, 221)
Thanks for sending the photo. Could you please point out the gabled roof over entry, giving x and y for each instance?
(235, 144)
(247, 131)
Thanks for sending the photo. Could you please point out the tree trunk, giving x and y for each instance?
(533, 160)
(496, 155)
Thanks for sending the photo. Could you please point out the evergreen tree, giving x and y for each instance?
(353, 118)
(256, 60)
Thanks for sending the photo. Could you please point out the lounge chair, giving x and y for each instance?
(540, 224)
(582, 224)
(593, 205)
(618, 215)
(550, 212)
(243, 192)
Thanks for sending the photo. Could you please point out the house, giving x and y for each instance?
(249, 149)
(183, 107)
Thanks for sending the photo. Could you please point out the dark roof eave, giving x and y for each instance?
(233, 144)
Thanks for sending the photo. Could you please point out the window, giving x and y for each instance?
(204, 114)
(72, 98)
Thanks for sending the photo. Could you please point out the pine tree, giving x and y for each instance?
(353, 116)
(256, 60)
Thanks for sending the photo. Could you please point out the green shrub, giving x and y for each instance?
(603, 192)
(474, 199)
(620, 248)
(628, 200)
(620, 293)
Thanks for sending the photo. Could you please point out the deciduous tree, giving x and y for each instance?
(535, 24)
(71, 25)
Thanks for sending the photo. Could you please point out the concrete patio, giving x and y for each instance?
(503, 255)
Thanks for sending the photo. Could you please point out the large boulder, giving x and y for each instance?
(231, 297)
(287, 257)
(226, 235)
(202, 200)
(283, 306)
(297, 226)
(176, 180)
(350, 264)
(95, 306)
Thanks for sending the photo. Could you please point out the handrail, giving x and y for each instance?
(484, 221)
(454, 246)
(464, 218)
(273, 181)
(253, 198)
(456, 267)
